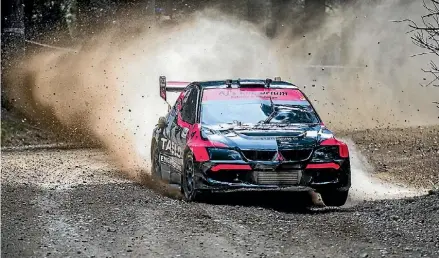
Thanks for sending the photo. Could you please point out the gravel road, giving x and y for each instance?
(73, 203)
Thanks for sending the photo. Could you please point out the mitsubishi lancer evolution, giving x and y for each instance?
(243, 135)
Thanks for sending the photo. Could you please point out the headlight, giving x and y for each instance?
(325, 153)
(223, 154)
(205, 132)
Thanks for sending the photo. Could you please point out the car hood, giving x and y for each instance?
(267, 137)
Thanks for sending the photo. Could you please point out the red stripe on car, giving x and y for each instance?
(323, 165)
(230, 167)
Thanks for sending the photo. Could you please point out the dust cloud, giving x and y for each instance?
(366, 188)
(109, 88)
(378, 84)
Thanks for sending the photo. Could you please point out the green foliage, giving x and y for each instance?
(9, 130)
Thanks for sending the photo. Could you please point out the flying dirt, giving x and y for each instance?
(365, 187)
(108, 88)
(356, 68)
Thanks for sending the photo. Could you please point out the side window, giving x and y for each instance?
(188, 111)
(170, 120)
(171, 114)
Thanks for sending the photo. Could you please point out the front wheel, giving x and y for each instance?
(190, 192)
(334, 197)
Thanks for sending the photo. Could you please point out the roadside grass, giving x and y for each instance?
(10, 130)
(18, 131)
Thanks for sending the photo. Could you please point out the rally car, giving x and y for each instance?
(238, 135)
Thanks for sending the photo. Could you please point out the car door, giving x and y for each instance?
(185, 120)
(165, 143)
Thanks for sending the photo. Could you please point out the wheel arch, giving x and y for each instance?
(153, 144)
(187, 150)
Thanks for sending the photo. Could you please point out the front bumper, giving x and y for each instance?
(273, 176)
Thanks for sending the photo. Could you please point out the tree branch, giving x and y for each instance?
(426, 36)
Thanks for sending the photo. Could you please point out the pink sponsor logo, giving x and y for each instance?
(253, 93)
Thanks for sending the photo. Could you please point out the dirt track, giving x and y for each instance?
(73, 203)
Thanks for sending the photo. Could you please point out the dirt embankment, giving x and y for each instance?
(407, 155)
(17, 131)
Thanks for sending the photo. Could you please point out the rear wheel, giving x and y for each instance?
(334, 197)
(188, 185)
(155, 160)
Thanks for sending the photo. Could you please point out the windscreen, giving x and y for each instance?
(256, 105)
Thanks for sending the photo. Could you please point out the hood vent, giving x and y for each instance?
(274, 133)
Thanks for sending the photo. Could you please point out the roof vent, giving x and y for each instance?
(229, 83)
(277, 79)
(268, 81)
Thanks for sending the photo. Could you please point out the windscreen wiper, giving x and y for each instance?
(277, 107)
(273, 111)
(232, 124)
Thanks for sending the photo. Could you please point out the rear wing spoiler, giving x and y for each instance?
(171, 86)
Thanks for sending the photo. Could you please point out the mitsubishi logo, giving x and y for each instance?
(279, 157)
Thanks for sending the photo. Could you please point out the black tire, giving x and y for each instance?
(188, 185)
(155, 161)
(334, 197)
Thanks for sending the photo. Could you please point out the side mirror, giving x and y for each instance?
(162, 122)
(184, 132)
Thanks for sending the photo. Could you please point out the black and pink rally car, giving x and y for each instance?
(239, 135)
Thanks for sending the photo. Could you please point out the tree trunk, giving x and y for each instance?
(84, 23)
(255, 10)
(13, 39)
(150, 7)
(12, 27)
(314, 13)
(347, 33)
(261, 12)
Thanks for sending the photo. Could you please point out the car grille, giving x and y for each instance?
(289, 155)
(259, 155)
(278, 177)
(296, 155)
